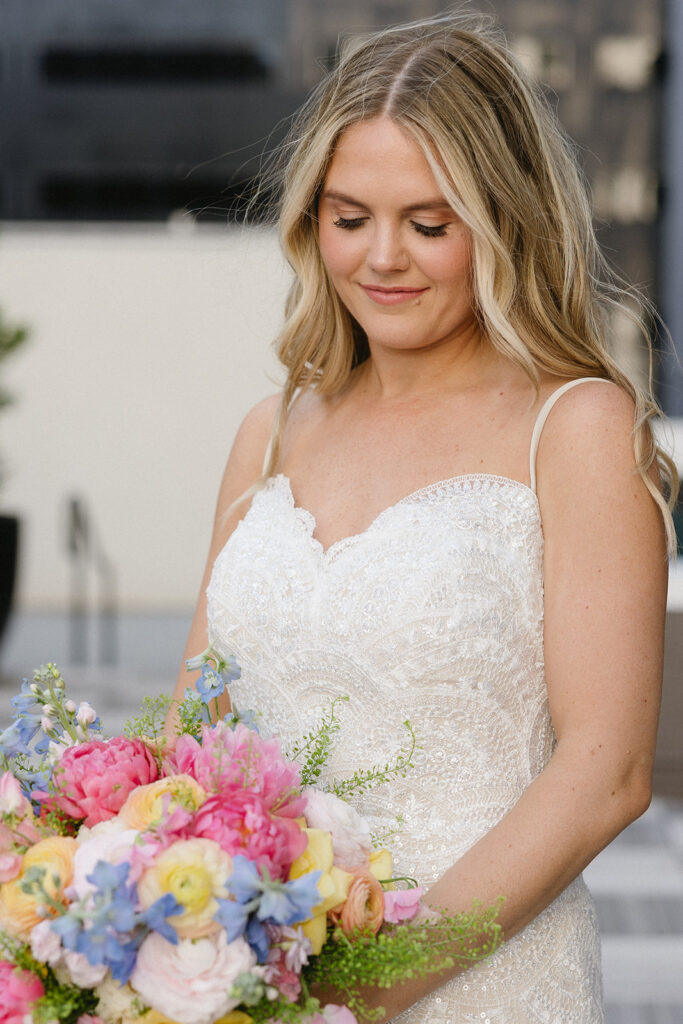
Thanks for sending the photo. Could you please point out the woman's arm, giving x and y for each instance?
(605, 575)
(243, 468)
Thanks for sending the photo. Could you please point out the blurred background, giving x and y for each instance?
(128, 134)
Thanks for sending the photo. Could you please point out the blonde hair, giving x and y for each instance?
(542, 289)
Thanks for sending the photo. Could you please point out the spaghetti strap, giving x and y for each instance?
(543, 416)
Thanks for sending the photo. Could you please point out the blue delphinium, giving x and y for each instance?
(261, 900)
(43, 716)
(107, 928)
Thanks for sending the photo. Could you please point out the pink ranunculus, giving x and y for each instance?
(238, 759)
(402, 904)
(93, 779)
(240, 822)
(18, 990)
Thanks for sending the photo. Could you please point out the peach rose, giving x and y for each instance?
(364, 906)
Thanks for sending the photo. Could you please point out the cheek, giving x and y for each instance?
(339, 250)
(450, 268)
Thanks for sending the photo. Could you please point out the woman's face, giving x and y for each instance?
(397, 254)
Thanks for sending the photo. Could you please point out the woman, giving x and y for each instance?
(449, 514)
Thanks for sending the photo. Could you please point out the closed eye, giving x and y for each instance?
(429, 230)
(349, 223)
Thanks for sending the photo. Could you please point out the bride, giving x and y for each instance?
(453, 513)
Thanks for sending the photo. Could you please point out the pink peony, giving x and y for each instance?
(402, 904)
(239, 821)
(238, 759)
(93, 779)
(18, 990)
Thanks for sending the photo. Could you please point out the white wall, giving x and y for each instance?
(148, 345)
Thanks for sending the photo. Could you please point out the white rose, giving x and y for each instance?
(189, 983)
(350, 832)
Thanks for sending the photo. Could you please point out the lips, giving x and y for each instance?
(391, 296)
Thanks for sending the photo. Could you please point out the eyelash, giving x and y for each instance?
(427, 230)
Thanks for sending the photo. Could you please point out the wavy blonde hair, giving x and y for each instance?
(543, 292)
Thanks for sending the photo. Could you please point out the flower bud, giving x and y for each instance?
(70, 706)
(86, 714)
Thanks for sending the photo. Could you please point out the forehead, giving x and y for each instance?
(381, 158)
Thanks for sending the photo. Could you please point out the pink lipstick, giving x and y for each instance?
(391, 296)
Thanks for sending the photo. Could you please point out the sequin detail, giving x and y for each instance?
(434, 613)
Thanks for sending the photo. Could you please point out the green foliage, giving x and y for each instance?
(366, 779)
(191, 715)
(11, 337)
(313, 751)
(64, 1003)
(10, 340)
(149, 723)
(400, 954)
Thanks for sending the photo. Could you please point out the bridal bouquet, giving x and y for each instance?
(195, 877)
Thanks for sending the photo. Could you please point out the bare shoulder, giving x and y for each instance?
(245, 461)
(593, 499)
(589, 431)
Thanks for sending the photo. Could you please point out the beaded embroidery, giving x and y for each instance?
(434, 613)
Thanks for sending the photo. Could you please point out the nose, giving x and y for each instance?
(386, 252)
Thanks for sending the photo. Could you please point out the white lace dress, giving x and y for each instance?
(435, 614)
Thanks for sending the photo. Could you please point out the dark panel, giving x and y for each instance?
(174, 65)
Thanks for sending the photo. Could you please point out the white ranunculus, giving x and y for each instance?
(189, 982)
(350, 832)
(118, 1004)
(112, 847)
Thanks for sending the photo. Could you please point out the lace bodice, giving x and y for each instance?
(433, 614)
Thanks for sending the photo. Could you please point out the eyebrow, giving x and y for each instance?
(426, 204)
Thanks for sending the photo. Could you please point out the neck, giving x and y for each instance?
(447, 367)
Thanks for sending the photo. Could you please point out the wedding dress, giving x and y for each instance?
(434, 613)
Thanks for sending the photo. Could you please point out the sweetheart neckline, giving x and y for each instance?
(328, 552)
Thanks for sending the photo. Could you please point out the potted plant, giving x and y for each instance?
(11, 337)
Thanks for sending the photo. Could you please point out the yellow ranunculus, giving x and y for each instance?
(234, 1017)
(381, 865)
(333, 884)
(195, 871)
(21, 911)
(145, 805)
